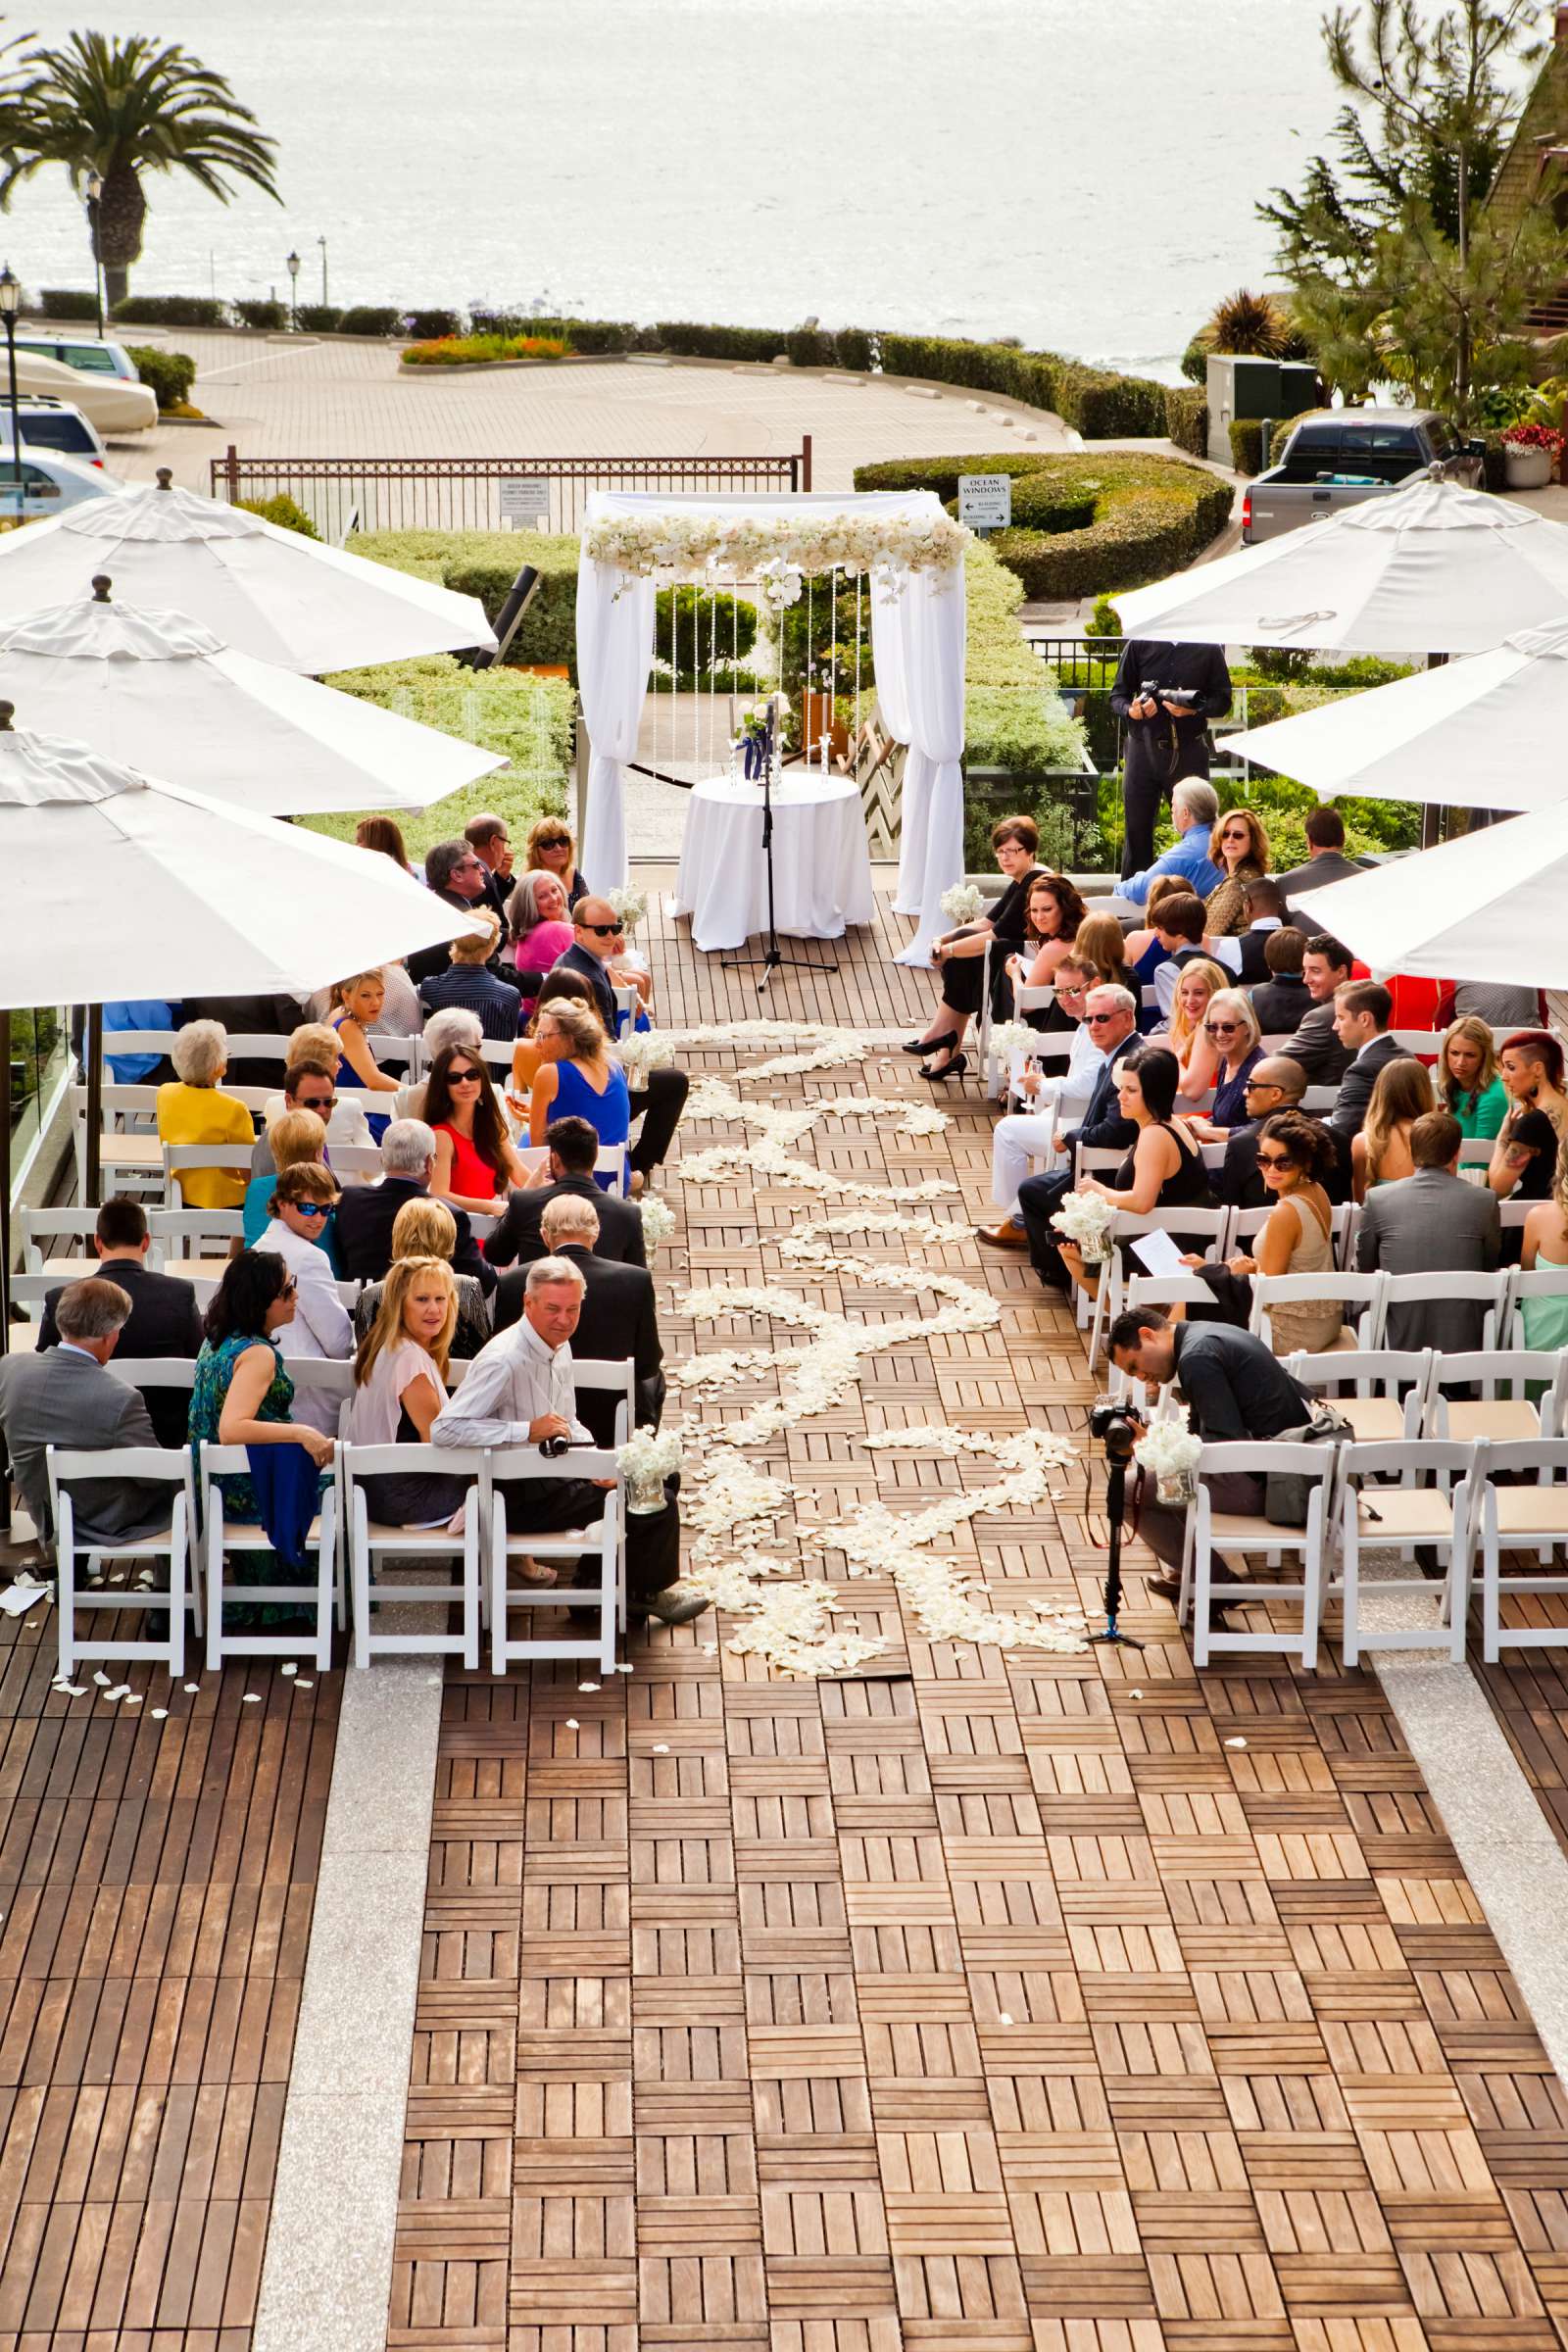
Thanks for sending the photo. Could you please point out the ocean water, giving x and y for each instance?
(1078, 172)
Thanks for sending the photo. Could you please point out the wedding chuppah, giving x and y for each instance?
(886, 572)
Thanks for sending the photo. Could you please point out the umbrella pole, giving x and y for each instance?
(91, 1176)
(1431, 832)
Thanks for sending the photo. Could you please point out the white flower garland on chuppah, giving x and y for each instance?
(691, 547)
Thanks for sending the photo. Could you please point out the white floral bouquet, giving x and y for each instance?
(1172, 1452)
(629, 905)
(1085, 1219)
(962, 903)
(641, 1051)
(1009, 1038)
(658, 1220)
(645, 1462)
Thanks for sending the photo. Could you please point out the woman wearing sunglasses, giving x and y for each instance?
(303, 1199)
(475, 1165)
(1296, 1156)
(1230, 1026)
(1239, 847)
(551, 849)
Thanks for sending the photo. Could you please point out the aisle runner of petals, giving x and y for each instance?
(749, 1526)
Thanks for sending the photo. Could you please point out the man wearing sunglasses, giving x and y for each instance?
(459, 876)
(598, 938)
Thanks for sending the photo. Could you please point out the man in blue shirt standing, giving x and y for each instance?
(1194, 812)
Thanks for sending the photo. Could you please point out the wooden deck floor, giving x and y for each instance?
(983, 2001)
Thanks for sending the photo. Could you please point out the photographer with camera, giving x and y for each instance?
(1236, 1390)
(519, 1391)
(1165, 696)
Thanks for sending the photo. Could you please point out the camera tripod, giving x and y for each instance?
(1118, 1443)
(773, 957)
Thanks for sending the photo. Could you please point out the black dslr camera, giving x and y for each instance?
(1153, 691)
(1115, 1424)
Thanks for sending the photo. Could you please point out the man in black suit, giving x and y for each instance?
(459, 877)
(1275, 1084)
(366, 1213)
(164, 1320)
(1265, 915)
(1326, 860)
(598, 937)
(573, 1149)
(1282, 1002)
(1325, 967)
(619, 1316)
(1362, 1012)
(487, 837)
(1111, 1017)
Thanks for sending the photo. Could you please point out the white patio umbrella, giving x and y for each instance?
(1431, 568)
(1484, 733)
(1489, 906)
(266, 592)
(156, 691)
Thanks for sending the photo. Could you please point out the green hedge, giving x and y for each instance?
(261, 314)
(285, 512)
(370, 318)
(529, 719)
(695, 617)
(1046, 502)
(173, 310)
(691, 340)
(319, 318)
(484, 564)
(1246, 441)
(1187, 420)
(428, 326)
(1151, 515)
(68, 301)
(170, 373)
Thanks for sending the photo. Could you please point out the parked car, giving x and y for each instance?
(113, 406)
(58, 424)
(50, 484)
(1341, 455)
(87, 356)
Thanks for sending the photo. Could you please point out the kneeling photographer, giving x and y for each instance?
(1165, 696)
(1236, 1390)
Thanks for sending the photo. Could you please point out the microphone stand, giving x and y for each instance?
(773, 957)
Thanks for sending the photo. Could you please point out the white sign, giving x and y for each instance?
(984, 501)
(524, 498)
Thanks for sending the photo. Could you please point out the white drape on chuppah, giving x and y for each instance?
(917, 635)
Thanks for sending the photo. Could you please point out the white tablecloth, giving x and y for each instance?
(821, 866)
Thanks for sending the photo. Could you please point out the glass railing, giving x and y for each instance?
(41, 1040)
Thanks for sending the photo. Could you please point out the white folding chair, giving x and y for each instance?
(181, 1159)
(1318, 1100)
(138, 1041)
(78, 1224)
(1524, 1517)
(1489, 1291)
(1215, 1530)
(612, 1162)
(1384, 1503)
(1504, 1412)
(308, 1593)
(1201, 1229)
(628, 1003)
(602, 1538)
(374, 1543)
(170, 1545)
(359, 1160)
(193, 1232)
(1541, 1282)
(1426, 1044)
(1358, 1293)
(1387, 1390)
(1475, 1153)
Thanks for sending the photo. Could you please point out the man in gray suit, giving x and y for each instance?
(1432, 1223)
(66, 1397)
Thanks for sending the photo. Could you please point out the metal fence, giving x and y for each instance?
(483, 494)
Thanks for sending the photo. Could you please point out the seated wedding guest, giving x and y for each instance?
(296, 1141)
(309, 1084)
(1230, 1027)
(1111, 1017)
(577, 1078)
(551, 849)
(1164, 1169)
(1362, 1010)
(956, 957)
(573, 1148)
(1194, 812)
(64, 1397)
(1545, 1251)
(244, 1397)
(399, 1386)
(163, 1320)
(469, 984)
(1276, 1084)
(367, 1212)
(1197, 984)
(356, 1010)
(1316, 1047)
(1246, 955)
(1501, 1008)
(1531, 1063)
(426, 1228)
(1283, 1000)
(442, 1029)
(1143, 949)
(1101, 939)
(1239, 847)
(1431, 1222)
(663, 1096)
(1055, 1102)
(383, 833)
(488, 836)
(399, 1016)
(1469, 1088)
(618, 1318)
(459, 877)
(195, 1111)
(1326, 860)
(526, 1053)
(1296, 1158)
(1382, 1152)
(1179, 925)
(137, 1070)
(475, 1160)
(1053, 913)
(258, 1016)
(1523, 1158)
(304, 1196)
(540, 929)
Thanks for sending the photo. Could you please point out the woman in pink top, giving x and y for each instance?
(540, 924)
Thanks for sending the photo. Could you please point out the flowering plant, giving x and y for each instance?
(1086, 1218)
(641, 1051)
(962, 903)
(658, 1220)
(1171, 1452)
(645, 1462)
(629, 905)
(1535, 436)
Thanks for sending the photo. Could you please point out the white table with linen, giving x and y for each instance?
(821, 866)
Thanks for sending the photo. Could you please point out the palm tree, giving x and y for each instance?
(122, 109)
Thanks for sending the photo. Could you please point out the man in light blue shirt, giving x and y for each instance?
(1194, 812)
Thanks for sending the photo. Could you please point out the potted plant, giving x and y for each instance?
(1529, 455)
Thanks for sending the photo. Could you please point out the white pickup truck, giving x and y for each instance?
(1338, 457)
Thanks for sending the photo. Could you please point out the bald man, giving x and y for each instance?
(1276, 1084)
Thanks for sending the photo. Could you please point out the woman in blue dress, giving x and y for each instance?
(577, 1078)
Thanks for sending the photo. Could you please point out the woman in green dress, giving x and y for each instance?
(1467, 1082)
(1544, 1250)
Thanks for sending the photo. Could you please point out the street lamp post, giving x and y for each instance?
(294, 291)
(95, 189)
(10, 305)
(321, 241)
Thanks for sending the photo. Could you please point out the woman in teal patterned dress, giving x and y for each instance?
(242, 1396)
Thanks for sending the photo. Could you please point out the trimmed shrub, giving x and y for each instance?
(173, 310)
(484, 564)
(1194, 361)
(691, 341)
(67, 302)
(1110, 407)
(1187, 420)
(370, 318)
(319, 318)
(170, 373)
(263, 313)
(810, 346)
(428, 326)
(1044, 502)
(285, 512)
(1246, 441)
(854, 350)
(696, 618)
